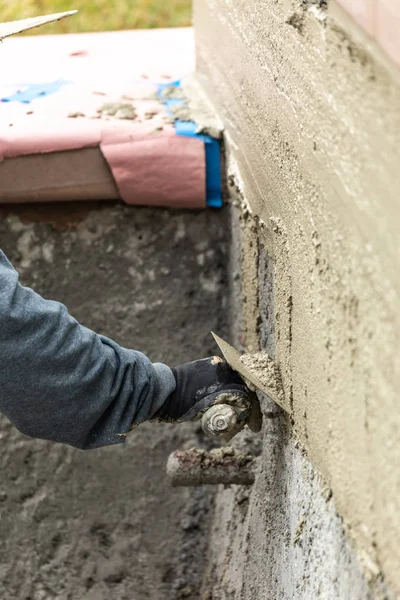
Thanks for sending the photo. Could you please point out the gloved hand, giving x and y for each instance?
(203, 383)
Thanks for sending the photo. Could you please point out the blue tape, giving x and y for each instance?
(211, 147)
(34, 91)
(164, 86)
(213, 174)
(213, 161)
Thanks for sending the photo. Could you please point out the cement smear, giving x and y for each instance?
(119, 110)
(312, 118)
(194, 107)
(261, 365)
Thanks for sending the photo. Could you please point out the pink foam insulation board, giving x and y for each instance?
(381, 21)
(80, 119)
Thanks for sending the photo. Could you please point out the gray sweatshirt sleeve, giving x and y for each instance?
(61, 381)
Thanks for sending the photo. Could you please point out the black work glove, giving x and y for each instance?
(201, 384)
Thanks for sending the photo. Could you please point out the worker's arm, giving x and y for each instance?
(63, 382)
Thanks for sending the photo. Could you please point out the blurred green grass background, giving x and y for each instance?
(101, 15)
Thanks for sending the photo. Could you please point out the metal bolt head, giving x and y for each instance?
(219, 419)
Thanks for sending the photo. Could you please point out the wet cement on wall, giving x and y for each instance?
(106, 524)
(312, 117)
(283, 538)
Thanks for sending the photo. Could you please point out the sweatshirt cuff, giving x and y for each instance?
(166, 382)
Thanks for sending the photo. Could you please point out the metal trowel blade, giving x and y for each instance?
(14, 27)
(232, 357)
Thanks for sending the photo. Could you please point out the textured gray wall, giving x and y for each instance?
(105, 524)
(282, 538)
(312, 118)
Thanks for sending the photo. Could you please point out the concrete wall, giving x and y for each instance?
(312, 115)
(106, 524)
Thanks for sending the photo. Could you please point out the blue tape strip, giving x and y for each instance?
(163, 86)
(213, 161)
(213, 174)
(35, 90)
(211, 147)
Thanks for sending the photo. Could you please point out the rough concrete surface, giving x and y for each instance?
(106, 524)
(312, 118)
(282, 540)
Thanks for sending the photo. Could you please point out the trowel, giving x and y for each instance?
(230, 414)
(227, 417)
(224, 420)
(14, 27)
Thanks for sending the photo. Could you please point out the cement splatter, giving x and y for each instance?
(76, 115)
(119, 110)
(193, 106)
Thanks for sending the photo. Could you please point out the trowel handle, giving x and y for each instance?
(223, 420)
(219, 420)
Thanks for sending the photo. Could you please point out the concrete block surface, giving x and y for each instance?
(312, 122)
(106, 524)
